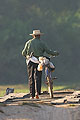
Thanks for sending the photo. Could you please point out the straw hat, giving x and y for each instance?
(36, 32)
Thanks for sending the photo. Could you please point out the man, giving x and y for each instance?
(37, 47)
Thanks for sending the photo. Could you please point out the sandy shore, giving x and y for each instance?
(39, 112)
(21, 107)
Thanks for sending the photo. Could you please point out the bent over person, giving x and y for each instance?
(34, 48)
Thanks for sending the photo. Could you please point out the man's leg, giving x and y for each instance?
(30, 69)
(39, 81)
(36, 77)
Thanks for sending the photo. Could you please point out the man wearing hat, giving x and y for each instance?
(37, 47)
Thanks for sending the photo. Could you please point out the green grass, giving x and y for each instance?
(44, 88)
(72, 105)
(17, 89)
(25, 89)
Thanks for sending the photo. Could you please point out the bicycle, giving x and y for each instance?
(49, 68)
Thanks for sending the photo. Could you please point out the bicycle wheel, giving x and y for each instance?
(49, 82)
(50, 87)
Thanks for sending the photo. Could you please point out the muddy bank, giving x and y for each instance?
(39, 112)
(64, 106)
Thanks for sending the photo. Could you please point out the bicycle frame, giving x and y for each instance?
(46, 63)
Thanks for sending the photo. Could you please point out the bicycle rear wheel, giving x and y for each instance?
(50, 87)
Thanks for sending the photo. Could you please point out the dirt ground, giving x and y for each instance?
(39, 112)
(22, 108)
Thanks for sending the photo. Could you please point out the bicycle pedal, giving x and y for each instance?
(54, 78)
(46, 82)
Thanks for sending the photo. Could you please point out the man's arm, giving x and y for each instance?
(50, 52)
(24, 51)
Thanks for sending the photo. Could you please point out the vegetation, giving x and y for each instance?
(58, 19)
(22, 88)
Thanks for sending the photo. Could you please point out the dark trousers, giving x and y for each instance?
(39, 81)
(34, 77)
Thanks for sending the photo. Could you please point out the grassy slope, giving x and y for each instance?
(25, 89)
